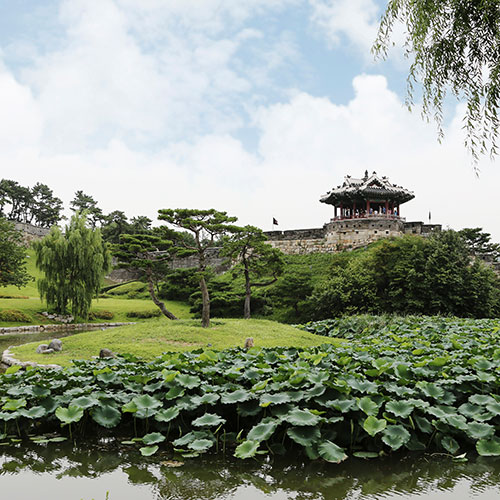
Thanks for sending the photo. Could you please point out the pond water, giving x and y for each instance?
(12, 339)
(61, 472)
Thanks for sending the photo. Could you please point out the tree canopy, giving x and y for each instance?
(36, 205)
(259, 262)
(12, 256)
(205, 226)
(74, 263)
(151, 254)
(453, 46)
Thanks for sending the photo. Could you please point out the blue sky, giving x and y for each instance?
(257, 108)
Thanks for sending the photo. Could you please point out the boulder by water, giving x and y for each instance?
(56, 345)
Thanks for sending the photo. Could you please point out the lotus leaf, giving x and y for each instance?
(167, 415)
(70, 414)
(364, 386)
(431, 390)
(169, 375)
(401, 409)
(274, 399)
(247, 449)
(146, 402)
(342, 405)
(477, 430)
(494, 407)
(470, 410)
(130, 407)
(192, 436)
(238, 396)
(201, 445)
(34, 412)
(301, 417)
(489, 447)
(153, 438)
(147, 451)
(14, 404)
(368, 406)
(395, 436)
(39, 391)
(188, 381)
(481, 399)
(373, 425)
(174, 393)
(331, 452)
(305, 436)
(85, 402)
(449, 444)
(366, 454)
(262, 431)
(208, 420)
(106, 416)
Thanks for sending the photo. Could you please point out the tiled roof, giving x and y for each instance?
(369, 187)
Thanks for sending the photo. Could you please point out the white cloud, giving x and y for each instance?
(149, 73)
(354, 20)
(306, 145)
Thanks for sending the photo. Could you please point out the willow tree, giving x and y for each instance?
(149, 253)
(74, 263)
(258, 261)
(205, 226)
(453, 45)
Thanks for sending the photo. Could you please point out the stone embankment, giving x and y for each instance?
(58, 327)
(8, 359)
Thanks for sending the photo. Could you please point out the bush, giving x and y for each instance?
(14, 315)
(101, 315)
(179, 284)
(13, 296)
(144, 314)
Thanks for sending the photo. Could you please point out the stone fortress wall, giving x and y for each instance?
(346, 234)
(30, 232)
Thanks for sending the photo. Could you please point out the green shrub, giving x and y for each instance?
(101, 315)
(154, 313)
(14, 315)
(13, 296)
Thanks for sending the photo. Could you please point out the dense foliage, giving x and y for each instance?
(410, 275)
(36, 205)
(258, 262)
(453, 45)
(413, 384)
(205, 227)
(74, 264)
(12, 256)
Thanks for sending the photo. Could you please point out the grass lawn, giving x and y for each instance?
(151, 339)
(27, 300)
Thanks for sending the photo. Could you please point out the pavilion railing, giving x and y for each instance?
(369, 216)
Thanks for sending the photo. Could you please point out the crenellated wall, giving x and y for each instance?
(347, 234)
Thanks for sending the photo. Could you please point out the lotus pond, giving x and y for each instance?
(103, 470)
(414, 384)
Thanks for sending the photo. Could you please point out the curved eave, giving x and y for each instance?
(335, 198)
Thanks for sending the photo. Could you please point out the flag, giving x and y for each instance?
(429, 216)
(275, 222)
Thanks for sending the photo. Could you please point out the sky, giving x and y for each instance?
(255, 107)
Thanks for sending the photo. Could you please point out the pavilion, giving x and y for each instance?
(371, 196)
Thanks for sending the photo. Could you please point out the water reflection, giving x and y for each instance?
(86, 473)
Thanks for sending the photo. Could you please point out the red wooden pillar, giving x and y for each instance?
(386, 207)
(368, 207)
(341, 210)
(335, 212)
(354, 210)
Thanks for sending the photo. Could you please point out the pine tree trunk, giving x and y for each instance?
(248, 293)
(154, 298)
(205, 313)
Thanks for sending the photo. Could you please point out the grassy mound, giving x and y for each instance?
(148, 340)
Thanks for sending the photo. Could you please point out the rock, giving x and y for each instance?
(248, 343)
(48, 351)
(55, 345)
(41, 348)
(106, 353)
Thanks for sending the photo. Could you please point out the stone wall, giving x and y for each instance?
(31, 232)
(338, 235)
